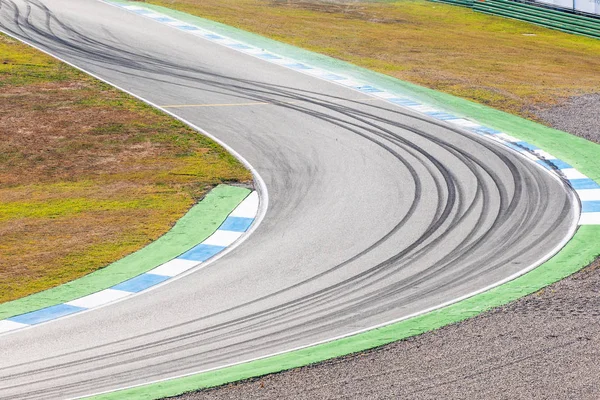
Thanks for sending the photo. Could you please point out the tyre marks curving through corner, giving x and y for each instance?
(375, 212)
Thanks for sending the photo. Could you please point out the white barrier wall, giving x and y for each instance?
(588, 6)
(558, 3)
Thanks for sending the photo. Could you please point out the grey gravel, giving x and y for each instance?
(579, 116)
(543, 346)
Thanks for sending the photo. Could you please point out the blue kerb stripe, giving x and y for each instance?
(368, 89)
(485, 129)
(268, 56)
(140, 282)
(212, 36)
(202, 252)
(404, 102)
(554, 163)
(142, 11)
(333, 77)
(239, 46)
(586, 183)
(560, 164)
(444, 116)
(527, 146)
(545, 164)
(590, 206)
(164, 19)
(298, 66)
(236, 224)
(46, 314)
(188, 28)
(513, 146)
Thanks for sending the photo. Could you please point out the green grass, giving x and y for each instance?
(486, 59)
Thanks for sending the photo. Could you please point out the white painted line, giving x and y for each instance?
(173, 267)
(592, 218)
(154, 15)
(247, 208)
(100, 298)
(528, 154)
(7, 326)
(282, 61)
(507, 138)
(572, 173)
(384, 95)
(223, 238)
(252, 50)
(588, 194)
(134, 8)
(315, 71)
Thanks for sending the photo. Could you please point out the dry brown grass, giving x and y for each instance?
(87, 174)
(490, 60)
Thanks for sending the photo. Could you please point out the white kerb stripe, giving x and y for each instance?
(174, 267)
(592, 218)
(223, 238)
(98, 299)
(247, 208)
(7, 326)
(349, 82)
(589, 194)
(385, 95)
(572, 173)
(545, 155)
(422, 108)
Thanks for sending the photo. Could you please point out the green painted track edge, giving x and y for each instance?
(201, 221)
(581, 250)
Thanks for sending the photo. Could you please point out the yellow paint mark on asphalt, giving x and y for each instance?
(216, 105)
(261, 103)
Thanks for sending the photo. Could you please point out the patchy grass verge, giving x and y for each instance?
(87, 174)
(509, 65)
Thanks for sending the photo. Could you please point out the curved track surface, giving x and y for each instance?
(375, 213)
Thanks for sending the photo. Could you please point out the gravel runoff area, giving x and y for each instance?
(579, 116)
(543, 346)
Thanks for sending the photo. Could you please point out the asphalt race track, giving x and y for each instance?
(374, 213)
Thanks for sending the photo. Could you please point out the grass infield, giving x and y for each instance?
(88, 174)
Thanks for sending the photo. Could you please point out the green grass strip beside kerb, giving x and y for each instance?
(195, 226)
(577, 254)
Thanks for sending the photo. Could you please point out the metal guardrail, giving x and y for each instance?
(536, 12)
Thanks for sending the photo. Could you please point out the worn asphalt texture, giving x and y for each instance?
(543, 346)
